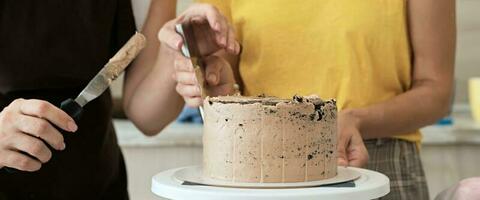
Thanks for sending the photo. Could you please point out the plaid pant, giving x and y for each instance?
(400, 161)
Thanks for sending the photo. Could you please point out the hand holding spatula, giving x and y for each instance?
(52, 119)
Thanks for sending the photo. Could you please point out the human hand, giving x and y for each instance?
(212, 31)
(218, 74)
(24, 126)
(350, 146)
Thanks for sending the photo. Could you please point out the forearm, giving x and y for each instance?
(149, 98)
(422, 105)
(155, 103)
(432, 36)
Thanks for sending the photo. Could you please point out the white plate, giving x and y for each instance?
(194, 174)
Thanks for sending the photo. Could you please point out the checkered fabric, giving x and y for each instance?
(400, 161)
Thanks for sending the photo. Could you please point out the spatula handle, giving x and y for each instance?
(72, 108)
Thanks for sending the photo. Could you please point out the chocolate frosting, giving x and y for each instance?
(267, 139)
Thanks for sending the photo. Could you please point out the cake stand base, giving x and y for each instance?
(370, 185)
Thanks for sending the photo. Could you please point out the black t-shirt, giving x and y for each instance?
(49, 50)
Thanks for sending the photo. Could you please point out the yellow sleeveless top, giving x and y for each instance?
(354, 51)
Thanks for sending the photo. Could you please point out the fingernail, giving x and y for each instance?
(180, 44)
(63, 146)
(212, 78)
(72, 126)
(217, 26)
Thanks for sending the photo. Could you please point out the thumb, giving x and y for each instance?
(212, 74)
(359, 154)
(167, 35)
(214, 66)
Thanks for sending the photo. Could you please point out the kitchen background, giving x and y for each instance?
(450, 152)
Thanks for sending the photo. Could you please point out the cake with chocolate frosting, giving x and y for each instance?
(269, 140)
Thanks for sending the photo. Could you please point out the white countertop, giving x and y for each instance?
(176, 134)
(464, 130)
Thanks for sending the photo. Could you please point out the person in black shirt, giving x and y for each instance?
(49, 50)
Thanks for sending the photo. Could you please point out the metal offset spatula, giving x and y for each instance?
(190, 50)
(110, 72)
(115, 66)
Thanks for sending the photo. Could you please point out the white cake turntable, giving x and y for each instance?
(350, 183)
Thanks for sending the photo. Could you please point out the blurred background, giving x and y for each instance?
(450, 148)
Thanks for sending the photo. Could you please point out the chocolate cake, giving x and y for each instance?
(269, 140)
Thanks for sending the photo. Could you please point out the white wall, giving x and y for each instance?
(468, 46)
